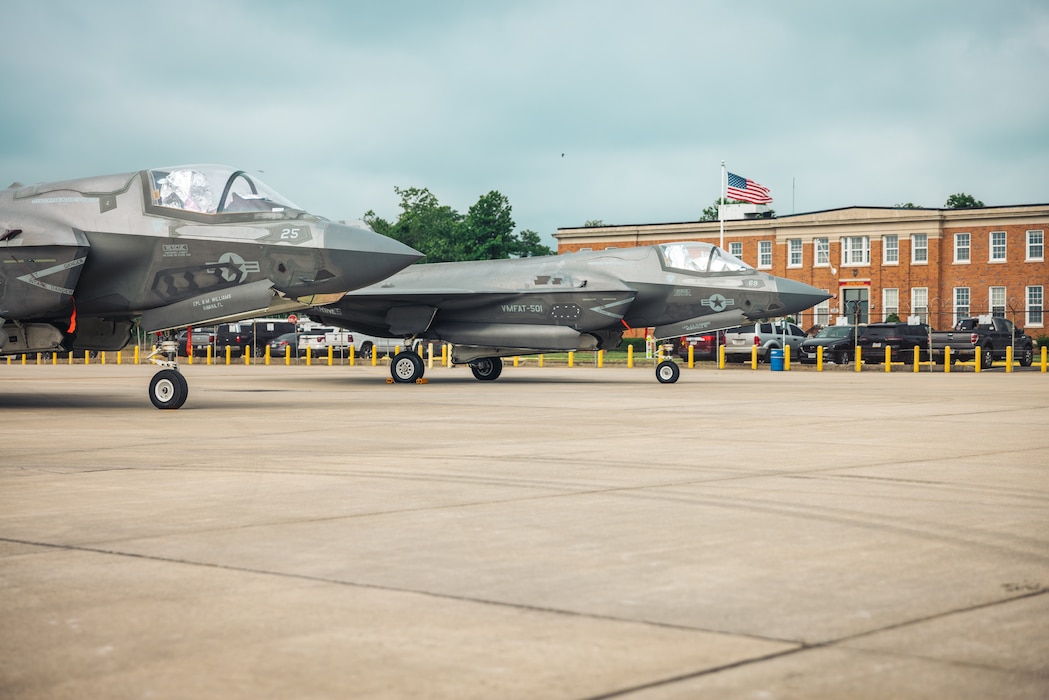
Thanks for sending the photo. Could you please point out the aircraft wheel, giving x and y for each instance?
(487, 368)
(667, 372)
(407, 367)
(168, 389)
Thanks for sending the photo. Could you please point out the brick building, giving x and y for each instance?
(938, 264)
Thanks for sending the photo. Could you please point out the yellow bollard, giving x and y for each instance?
(229, 354)
(1045, 356)
(691, 356)
(353, 356)
(721, 357)
(87, 357)
(540, 359)
(888, 359)
(54, 358)
(786, 359)
(444, 354)
(859, 359)
(331, 356)
(753, 356)
(571, 358)
(25, 360)
(375, 357)
(600, 359)
(917, 357)
(39, 358)
(1009, 359)
(287, 356)
(630, 357)
(70, 356)
(103, 356)
(267, 355)
(978, 359)
(309, 357)
(819, 358)
(136, 354)
(947, 360)
(516, 360)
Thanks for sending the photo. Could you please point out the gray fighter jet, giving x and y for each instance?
(175, 246)
(580, 301)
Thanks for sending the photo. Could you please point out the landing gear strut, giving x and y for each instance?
(168, 389)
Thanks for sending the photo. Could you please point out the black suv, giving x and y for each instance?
(901, 337)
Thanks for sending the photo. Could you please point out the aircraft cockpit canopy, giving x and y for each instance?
(212, 189)
(700, 257)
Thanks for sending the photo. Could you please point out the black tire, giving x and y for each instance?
(168, 389)
(667, 372)
(842, 357)
(986, 357)
(365, 350)
(487, 369)
(407, 368)
(1027, 357)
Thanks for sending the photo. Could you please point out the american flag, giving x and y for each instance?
(747, 190)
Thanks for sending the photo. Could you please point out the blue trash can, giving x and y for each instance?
(776, 360)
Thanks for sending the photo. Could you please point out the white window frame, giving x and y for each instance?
(795, 252)
(855, 251)
(735, 249)
(920, 303)
(890, 302)
(890, 249)
(958, 248)
(764, 251)
(1035, 251)
(997, 252)
(1034, 306)
(822, 252)
(996, 301)
(920, 243)
(821, 312)
(962, 304)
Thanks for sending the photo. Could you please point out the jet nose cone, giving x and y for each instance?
(797, 296)
(358, 257)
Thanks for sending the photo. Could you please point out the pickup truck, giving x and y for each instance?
(988, 336)
(363, 344)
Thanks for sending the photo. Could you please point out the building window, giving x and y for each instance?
(822, 312)
(920, 248)
(997, 296)
(764, 253)
(891, 250)
(794, 249)
(920, 303)
(1035, 245)
(962, 247)
(822, 252)
(1035, 299)
(855, 250)
(961, 304)
(997, 246)
(735, 248)
(890, 303)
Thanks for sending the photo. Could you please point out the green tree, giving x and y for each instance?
(530, 245)
(488, 229)
(907, 205)
(593, 223)
(711, 212)
(962, 201)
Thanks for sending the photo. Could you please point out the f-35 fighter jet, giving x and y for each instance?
(579, 301)
(182, 246)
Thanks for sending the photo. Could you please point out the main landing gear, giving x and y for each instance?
(168, 389)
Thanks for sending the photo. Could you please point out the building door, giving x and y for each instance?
(855, 304)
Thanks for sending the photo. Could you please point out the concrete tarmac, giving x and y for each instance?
(314, 532)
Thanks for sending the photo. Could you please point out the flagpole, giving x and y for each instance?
(721, 204)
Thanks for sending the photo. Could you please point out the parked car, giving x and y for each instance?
(704, 346)
(768, 336)
(990, 337)
(838, 343)
(314, 340)
(284, 345)
(235, 336)
(363, 344)
(203, 338)
(901, 337)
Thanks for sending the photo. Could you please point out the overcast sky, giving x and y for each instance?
(574, 110)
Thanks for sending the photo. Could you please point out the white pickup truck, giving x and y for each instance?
(363, 344)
